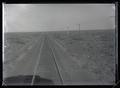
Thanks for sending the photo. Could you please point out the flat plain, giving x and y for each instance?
(64, 57)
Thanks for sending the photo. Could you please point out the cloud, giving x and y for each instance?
(47, 17)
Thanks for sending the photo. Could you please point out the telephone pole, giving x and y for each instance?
(79, 27)
(79, 30)
(68, 31)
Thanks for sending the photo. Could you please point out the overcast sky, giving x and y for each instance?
(50, 17)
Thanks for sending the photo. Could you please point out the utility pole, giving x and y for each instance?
(79, 30)
(79, 27)
(68, 31)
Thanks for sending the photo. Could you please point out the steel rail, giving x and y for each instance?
(37, 63)
(57, 66)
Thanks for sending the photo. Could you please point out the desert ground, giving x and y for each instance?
(63, 57)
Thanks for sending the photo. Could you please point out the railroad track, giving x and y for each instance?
(55, 61)
(37, 63)
(62, 66)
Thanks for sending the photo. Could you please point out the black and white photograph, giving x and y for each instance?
(59, 44)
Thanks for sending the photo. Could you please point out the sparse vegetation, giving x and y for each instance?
(98, 47)
(94, 50)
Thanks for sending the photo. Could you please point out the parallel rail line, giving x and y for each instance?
(37, 63)
(57, 66)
